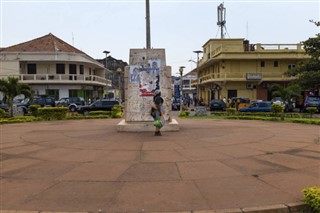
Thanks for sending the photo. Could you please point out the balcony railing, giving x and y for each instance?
(224, 77)
(61, 78)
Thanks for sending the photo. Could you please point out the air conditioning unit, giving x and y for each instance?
(250, 86)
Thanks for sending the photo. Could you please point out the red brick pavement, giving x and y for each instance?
(87, 166)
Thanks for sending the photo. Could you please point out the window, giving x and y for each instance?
(72, 69)
(275, 63)
(81, 70)
(73, 93)
(32, 69)
(232, 93)
(60, 69)
(262, 64)
(53, 93)
(291, 66)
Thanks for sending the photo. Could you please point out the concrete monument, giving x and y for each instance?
(147, 72)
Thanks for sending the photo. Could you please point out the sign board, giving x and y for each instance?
(253, 76)
(200, 110)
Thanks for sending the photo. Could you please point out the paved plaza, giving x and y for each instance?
(87, 166)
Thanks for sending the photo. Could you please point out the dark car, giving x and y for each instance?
(263, 106)
(43, 101)
(104, 105)
(175, 103)
(311, 101)
(4, 106)
(217, 104)
(73, 103)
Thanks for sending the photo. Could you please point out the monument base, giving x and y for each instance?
(144, 126)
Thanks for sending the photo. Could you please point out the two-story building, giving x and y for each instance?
(235, 68)
(53, 67)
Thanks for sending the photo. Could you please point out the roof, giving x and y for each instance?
(47, 43)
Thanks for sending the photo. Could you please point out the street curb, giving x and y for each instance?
(279, 208)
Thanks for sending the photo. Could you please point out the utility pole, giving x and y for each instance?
(148, 25)
(181, 86)
(198, 79)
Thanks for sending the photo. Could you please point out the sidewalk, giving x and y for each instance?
(212, 165)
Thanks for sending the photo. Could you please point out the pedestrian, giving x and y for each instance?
(224, 100)
(157, 112)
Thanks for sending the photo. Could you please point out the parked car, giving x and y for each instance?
(73, 103)
(4, 106)
(42, 100)
(105, 105)
(239, 102)
(217, 104)
(311, 101)
(175, 103)
(263, 106)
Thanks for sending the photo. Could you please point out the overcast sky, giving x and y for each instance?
(179, 26)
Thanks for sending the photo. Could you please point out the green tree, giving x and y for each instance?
(308, 73)
(286, 93)
(10, 88)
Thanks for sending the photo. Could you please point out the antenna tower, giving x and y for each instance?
(222, 19)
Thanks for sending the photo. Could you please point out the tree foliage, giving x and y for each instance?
(10, 88)
(285, 93)
(308, 73)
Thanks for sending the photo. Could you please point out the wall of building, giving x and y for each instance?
(9, 67)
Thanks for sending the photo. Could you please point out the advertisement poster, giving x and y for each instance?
(134, 74)
(148, 77)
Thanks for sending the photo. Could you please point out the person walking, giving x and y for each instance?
(158, 112)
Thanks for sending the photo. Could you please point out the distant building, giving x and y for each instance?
(235, 68)
(115, 73)
(53, 67)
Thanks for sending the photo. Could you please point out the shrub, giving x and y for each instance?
(306, 121)
(34, 109)
(219, 113)
(231, 111)
(3, 113)
(277, 108)
(184, 114)
(312, 197)
(311, 110)
(116, 111)
(53, 113)
(101, 112)
(117, 107)
(18, 119)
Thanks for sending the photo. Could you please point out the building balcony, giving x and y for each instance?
(258, 48)
(240, 77)
(93, 80)
(188, 87)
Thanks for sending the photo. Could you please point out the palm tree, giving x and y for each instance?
(286, 93)
(10, 88)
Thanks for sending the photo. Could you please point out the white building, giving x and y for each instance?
(52, 67)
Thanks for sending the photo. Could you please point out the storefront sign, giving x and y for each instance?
(254, 76)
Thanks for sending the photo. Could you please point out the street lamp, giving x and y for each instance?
(181, 93)
(198, 79)
(119, 71)
(106, 73)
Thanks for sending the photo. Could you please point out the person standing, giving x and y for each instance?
(159, 112)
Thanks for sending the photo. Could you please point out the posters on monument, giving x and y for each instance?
(147, 76)
(134, 74)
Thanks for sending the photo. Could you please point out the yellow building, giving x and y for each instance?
(235, 68)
